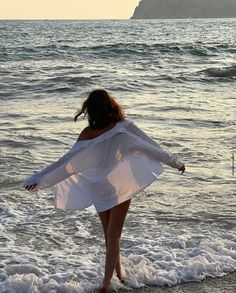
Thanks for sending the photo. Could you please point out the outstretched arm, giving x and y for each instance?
(147, 143)
(166, 157)
(34, 182)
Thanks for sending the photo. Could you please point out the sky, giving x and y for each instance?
(67, 9)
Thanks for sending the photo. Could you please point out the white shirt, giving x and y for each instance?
(106, 170)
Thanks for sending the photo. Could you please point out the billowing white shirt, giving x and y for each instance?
(106, 170)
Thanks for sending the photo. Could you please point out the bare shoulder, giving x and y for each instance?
(88, 133)
(85, 134)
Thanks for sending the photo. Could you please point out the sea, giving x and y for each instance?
(176, 80)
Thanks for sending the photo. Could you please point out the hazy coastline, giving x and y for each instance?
(183, 9)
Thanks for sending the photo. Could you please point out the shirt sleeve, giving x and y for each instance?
(55, 172)
(147, 144)
(80, 158)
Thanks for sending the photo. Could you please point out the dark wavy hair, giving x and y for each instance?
(101, 109)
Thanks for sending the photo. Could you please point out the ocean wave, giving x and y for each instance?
(13, 143)
(63, 89)
(229, 71)
(12, 116)
(145, 48)
(175, 235)
(74, 80)
(144, 266)
(118, 49)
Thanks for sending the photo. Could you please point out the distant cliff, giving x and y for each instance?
(185, 9)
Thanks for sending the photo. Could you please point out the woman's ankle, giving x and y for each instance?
(120, 273)
(103, 290)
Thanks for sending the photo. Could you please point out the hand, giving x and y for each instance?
(182, 169)
(31, 187)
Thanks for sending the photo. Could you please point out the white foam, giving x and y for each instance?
(23, 269)
(162, 261)
(150, 264)
(31, 283)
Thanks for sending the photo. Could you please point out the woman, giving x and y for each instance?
(111, 161)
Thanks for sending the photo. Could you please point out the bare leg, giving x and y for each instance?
(105, 216)
(113, 220)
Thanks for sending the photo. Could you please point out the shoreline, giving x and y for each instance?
(224, 284)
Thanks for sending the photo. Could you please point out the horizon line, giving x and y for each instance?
(102, 19)
(66, 18)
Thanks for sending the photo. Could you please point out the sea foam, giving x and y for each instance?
(150, 265)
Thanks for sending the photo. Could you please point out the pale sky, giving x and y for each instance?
(67, 9)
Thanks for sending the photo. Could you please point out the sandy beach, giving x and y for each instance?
(225, 284)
